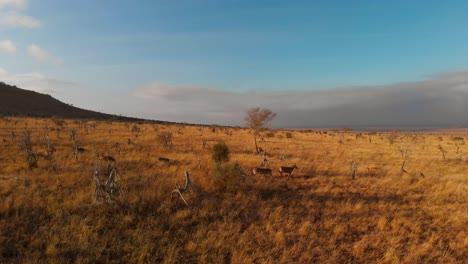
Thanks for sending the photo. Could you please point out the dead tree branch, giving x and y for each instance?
(178, 190)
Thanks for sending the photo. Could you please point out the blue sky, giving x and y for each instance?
(100, 48)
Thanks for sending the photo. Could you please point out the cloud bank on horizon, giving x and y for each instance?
(437, 102)
(441, 101)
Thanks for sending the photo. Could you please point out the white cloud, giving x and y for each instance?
(7, 46)
(16, 20)
(19, 4)
(442, 101)
(33, 81)
(38, 52)
(43, 55)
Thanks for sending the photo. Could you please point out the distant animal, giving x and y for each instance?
(107, 158)
(165, 160)
(43, 154)
(262, 171)
(288, 170)
(51, 149)
(373, 171)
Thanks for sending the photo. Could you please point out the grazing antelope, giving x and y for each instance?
(107, 158)
(288, 170)
(43, 154)
(373, 171)
(262, 171)
(80, 149)
(165, 160)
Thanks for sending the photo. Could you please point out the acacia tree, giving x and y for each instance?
(257, 119)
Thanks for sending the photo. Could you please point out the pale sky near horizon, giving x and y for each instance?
(314, 63)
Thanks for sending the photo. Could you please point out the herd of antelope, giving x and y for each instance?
(257, 170)
(282, 169)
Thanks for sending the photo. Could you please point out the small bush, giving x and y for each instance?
(228, 177)
(165, 138)
(270, 134)
(289, 135)
(392, 137)
(220, 152)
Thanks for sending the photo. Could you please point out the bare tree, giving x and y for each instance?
(165, 139)
(459, 141)
(76, 145)
(178, 190)
(353, 166)
(107, 189)
(405, 153)
(27, 146)
(442, 150)
(136, 130)
(257, 119)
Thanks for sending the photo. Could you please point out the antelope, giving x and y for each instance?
(165, 160)
(80, 149)
(262, 171)
(46, 153)
(107, 158)
(43, 154)
(288, 170)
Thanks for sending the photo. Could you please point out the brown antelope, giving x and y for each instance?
(43, 154)
(165, 160)
(46, 153)
(288, 170)
(107, 158)
(262, 171)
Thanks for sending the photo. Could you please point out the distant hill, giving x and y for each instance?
(18, 102)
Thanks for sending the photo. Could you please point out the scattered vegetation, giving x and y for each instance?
(317, 215)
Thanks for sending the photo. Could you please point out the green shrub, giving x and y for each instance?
(220, 152)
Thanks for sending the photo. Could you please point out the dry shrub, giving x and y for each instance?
(228, 177)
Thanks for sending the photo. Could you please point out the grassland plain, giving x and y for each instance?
(407, 204)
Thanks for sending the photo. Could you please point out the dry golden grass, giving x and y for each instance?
(321, 215)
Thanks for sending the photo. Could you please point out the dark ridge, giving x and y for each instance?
(18, 102)
(24, 103)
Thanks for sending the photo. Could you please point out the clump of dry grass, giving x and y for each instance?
(318, 215)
